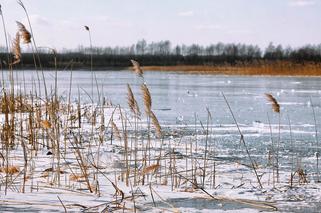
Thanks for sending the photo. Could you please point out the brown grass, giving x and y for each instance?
(281, 68)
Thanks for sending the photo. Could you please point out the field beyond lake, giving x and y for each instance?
(275, 69)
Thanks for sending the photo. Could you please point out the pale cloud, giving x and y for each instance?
(208, 27)
(96, 22)
(186, 13)
(101, 18)
(301, 3)
(39, 20)
(240, 31)
(120, 24)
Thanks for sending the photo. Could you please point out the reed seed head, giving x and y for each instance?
(132, 103)
(156, 125)
(16, 50)
(115, 130)
(137, 69)
(146, 98)
(273, 101)
(25, 34)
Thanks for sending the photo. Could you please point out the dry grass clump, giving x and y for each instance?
(10, 170)
(18, 103)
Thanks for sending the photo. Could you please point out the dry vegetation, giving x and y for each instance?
(281, 68)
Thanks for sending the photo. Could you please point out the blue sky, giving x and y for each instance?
(59, 23)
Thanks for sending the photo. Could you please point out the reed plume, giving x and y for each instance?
(25, 34)
(132, 103)
(137, 69)
(16, 49)
(146, 98)
(115, 130)
(158, 129)
(273, 101)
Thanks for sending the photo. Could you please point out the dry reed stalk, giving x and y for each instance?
(273, 101)
(146, 98)
(91, 62)
(156, 125)
(244, 143)
(125, 139)
(36, 51)
(148, 105)
(209, 117)
(25, 34)
(132, 103)
(7, 46)
(16, 49)
(25, 157)
(81, 162)
(137, 69)
(276, 108)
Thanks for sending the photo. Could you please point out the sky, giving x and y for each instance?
(60, 23)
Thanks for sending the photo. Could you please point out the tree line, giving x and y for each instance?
(163, 53)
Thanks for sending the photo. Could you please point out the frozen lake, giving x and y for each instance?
(180, 102)
(177, 97)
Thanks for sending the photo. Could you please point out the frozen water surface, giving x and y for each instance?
(180, 101)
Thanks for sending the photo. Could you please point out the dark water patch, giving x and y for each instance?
(308, 208)
(25, 208)
(200, 204)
